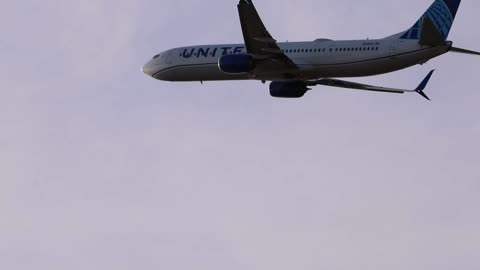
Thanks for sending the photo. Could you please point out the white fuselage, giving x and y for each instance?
(318, 59)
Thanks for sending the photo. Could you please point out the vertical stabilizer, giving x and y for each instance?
(438, 17)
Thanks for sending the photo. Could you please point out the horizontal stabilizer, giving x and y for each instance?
(459, 50)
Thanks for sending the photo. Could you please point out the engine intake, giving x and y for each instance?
(288, 89)
(236, 63)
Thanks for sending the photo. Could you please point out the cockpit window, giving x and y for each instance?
(156, 56)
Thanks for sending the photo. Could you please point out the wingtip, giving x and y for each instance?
(424, 95)
(247, 2)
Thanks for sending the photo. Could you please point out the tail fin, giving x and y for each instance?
(438, 18)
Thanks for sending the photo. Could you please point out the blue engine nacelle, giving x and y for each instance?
(288, 89)
(236, 63)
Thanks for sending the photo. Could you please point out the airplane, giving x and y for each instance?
(294, 67)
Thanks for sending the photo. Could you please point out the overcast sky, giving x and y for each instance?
(102, 167)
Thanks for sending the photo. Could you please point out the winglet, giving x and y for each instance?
(422, 85)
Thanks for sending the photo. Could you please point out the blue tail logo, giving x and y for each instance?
(441, 13)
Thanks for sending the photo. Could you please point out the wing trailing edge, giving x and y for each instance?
(366, 87)
(259, 42)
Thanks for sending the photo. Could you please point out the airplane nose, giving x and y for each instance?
(148, 69)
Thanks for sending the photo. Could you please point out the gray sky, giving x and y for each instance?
(104, 168)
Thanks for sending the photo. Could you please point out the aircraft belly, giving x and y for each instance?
(198, 72)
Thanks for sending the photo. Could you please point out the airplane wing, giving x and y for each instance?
(259, 43)
(359, 86)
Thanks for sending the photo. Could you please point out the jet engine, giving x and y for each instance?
(288, 89)
(236, 63)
